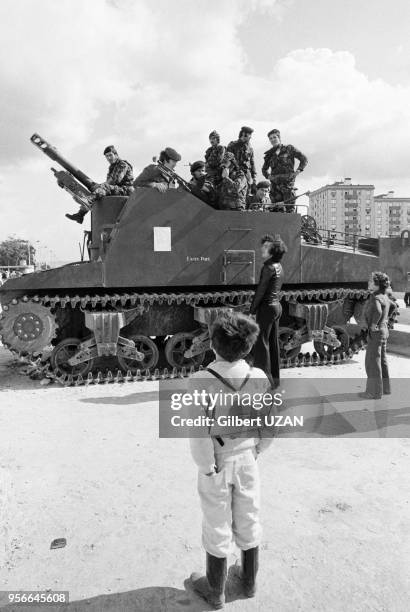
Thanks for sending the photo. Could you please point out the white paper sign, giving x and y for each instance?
(162, 239)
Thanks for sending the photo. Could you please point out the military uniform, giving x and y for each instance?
(244, 155)
(233, 190)
(279, 162)
(119, 179)
(213, 159)
(197, 186)
(119, 183)
(254, 202)
(150, 175)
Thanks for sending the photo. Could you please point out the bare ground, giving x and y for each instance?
(86, 464)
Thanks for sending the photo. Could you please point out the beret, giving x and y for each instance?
(263, 185)
(170, 152)
(274, 132)
(214, 134)
(110, 149)
(198, 165)
(246, 129)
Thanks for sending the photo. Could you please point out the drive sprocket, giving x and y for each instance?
(27, 327)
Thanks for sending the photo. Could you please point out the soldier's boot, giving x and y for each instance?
(247, 573)
(212, 586)
(78, 216)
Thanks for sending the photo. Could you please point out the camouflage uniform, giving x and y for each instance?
(233, 190)
(254, 202)
(280, 161)
(119, 179)
(213, 159)
(243, 153)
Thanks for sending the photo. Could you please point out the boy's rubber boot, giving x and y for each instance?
(212, 586)
(248, 570)
(250, 565)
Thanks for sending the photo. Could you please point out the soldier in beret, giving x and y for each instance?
(200, 184)
(118, 183)
(154, 176)
(244, 155)
(279, 168)
(260, 200)
(234, 186)
(213, 158)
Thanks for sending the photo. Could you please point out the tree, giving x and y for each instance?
(13, 250)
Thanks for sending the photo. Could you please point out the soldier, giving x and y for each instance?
(118, 183)
(153, 175)
(200, 184)
(213, 158)
(234, 186)
(244, 154)
(279, 168)
(260, 200)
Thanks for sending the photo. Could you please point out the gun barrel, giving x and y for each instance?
(53, 154)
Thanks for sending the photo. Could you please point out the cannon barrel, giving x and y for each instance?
(53, 154)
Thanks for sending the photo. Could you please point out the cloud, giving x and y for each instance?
(144, 75)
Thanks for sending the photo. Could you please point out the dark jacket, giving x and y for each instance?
(150, 175)
(270, 282)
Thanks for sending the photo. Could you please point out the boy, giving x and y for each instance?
(228, 478)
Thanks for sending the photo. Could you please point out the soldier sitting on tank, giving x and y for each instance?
(118, 183)
(244, 155)
(154, 176)
(279, 168)
(260, 200)
(200, 184)
(213, 158)
(234, 186)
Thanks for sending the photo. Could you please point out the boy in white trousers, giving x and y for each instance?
(228, 476)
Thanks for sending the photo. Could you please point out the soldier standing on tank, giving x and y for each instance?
(200, 184)
(244, 155)
(154, 176)
(118, 183)
(234, 186)
(279, 168)
(260, 200)
(213, 158)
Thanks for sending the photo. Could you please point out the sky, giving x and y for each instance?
(332, 75)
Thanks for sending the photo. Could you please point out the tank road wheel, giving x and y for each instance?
(176, 347)
(145, 345)
(27, 327)
(325, 350)
(285, 334)
(64, 350)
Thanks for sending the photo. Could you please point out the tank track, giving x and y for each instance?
(39, 368)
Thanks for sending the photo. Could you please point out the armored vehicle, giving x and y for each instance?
(161, 265)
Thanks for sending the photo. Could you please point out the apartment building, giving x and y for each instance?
(391, 215)
(343, 207)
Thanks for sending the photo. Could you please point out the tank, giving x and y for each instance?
(160, 267)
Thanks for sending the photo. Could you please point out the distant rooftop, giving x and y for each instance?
(346, 183)
(390, 197)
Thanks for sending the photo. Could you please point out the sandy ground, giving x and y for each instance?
(86, 464)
